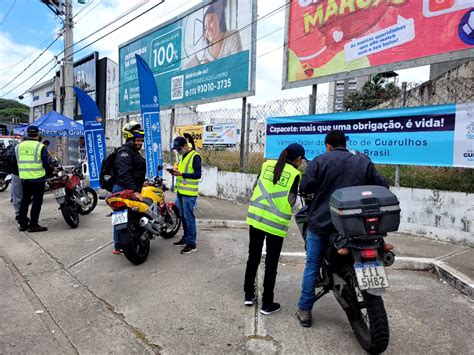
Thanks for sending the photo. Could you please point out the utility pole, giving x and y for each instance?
(68, 61)
(63, 9)
(68, 71)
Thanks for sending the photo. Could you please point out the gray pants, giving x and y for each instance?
(17, 193)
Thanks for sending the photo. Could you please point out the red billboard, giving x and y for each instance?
(329, 37)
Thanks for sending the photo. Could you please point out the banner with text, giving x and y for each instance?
(432, 135)
(150, 109)
(94, 136)
(331, 37)
(204, 55)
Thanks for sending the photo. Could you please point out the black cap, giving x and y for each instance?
(178, 143)
(32, 130)
(295, 150)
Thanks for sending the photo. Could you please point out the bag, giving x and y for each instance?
(107, 171)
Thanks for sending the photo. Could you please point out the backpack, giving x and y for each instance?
(107, 171)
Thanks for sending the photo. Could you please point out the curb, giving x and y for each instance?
(458, 280)
(212, 223)
(445, 272)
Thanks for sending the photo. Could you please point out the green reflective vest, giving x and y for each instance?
(187, 187)
(269, 209)
(28, 157)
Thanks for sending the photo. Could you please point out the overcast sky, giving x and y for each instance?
(29, 26)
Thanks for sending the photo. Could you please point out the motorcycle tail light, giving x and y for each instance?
(343, 251)
(388, 247)
(115, 205)
(369, 253)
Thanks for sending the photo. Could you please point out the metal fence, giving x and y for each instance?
(247, 154)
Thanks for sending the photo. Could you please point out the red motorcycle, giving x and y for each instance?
(73, 199)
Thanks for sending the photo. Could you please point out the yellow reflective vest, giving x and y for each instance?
(187, 187)
(28, 157)
(269, 208)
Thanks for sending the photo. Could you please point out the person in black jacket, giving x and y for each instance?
(335, 169)
(129, 166)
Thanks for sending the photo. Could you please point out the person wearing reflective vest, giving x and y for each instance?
(32, 159)
(187, 175)
(269, 217)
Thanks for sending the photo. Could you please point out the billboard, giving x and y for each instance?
(329, 40)
(85, 74)
(206, 54)
(195, 131)
(433, 135)
(222, 135)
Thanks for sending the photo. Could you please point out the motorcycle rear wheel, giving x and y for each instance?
(367, 316)
(3, 184)
(135, 250)
(70, 215)
(172, 222)
(92, 196)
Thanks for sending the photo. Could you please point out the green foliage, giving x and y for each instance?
(373, 93)
(429, 177)
(10, 109)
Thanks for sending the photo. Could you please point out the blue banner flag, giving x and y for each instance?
(94, 136)
(150, 109)
(433, 135)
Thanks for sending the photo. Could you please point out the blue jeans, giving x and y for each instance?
(186, 205)
(116, 188)
(315, 246)
(16, 193)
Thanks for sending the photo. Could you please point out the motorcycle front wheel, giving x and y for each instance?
(91, 195)
(367, 316)
(172, 220)
(135, 248)
(70, 215)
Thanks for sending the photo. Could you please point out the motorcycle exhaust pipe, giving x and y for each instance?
(388, 258)
(148, 226)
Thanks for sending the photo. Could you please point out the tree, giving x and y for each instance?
(373, 93)
(11, 109)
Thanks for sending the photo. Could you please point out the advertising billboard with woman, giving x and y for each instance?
(206, 54)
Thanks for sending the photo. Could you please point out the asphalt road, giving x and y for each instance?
(65, 292)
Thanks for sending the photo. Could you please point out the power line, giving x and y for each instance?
(83, 8)
(31, 76)
(271, 13)
(88, 45)
(121, 16)
(18, 75)
(8, 12)
(29, 54)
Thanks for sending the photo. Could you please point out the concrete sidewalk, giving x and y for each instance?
(64, 292)
(452, 262)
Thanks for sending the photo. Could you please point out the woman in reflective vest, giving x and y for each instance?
(188, 174)
(269, 217)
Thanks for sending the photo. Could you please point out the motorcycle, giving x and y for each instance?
(73, 199)
(5, 179)
(353, 265)
(139, 217)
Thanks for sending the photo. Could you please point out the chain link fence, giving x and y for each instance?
(246, 152)
(457, 87)
(246, 155)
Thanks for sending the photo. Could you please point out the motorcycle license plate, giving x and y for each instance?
(119, 217)
(59, 192)
(371, 275)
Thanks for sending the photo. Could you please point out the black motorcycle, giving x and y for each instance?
(353, 265)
